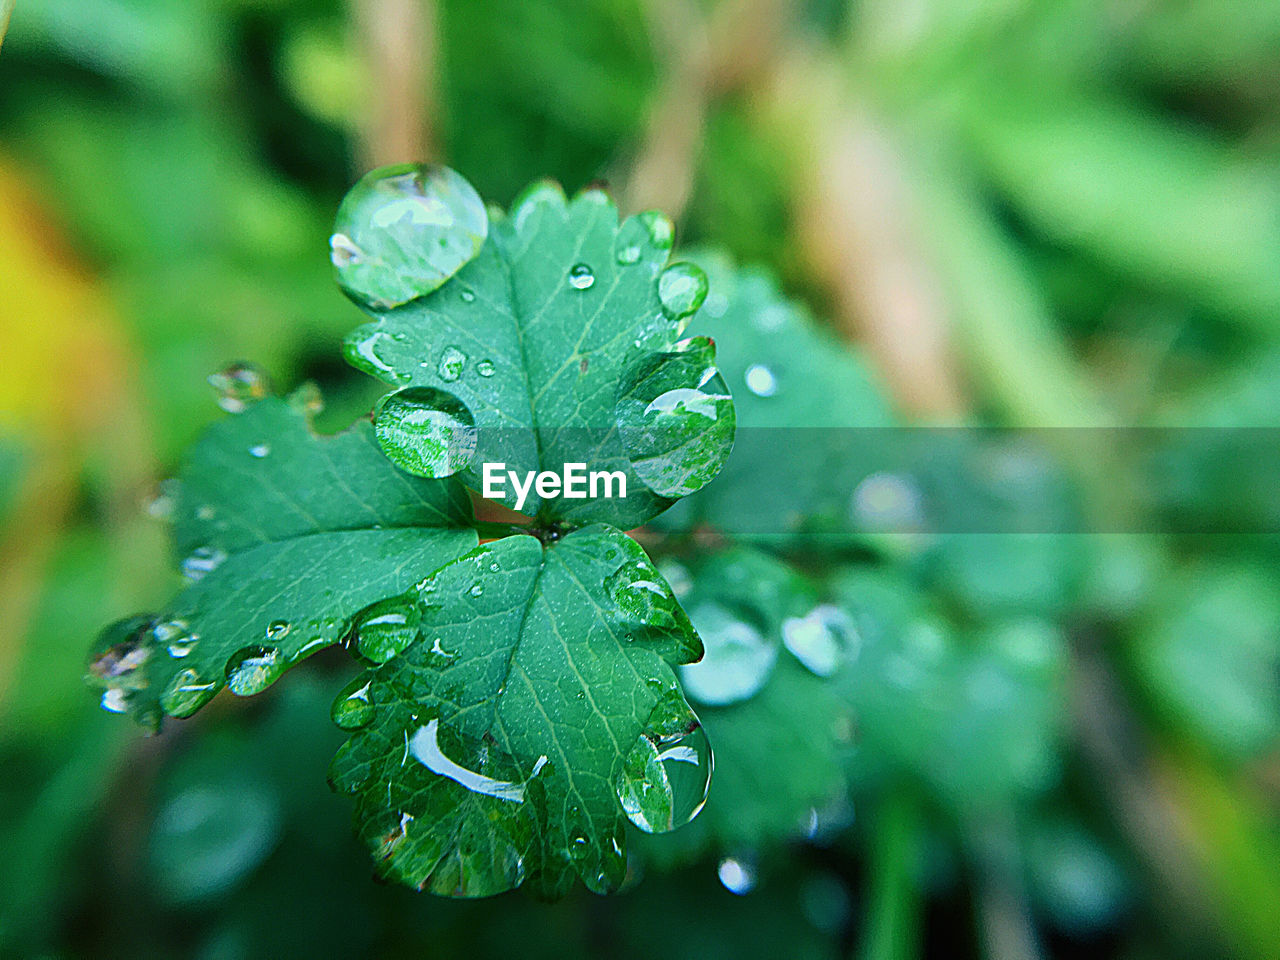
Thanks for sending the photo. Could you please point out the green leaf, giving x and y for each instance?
(536, 703)
(556, 344)
(286, 535)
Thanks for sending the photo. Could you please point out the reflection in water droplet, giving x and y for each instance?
(681, 289)
(666, 776)
(629, 254)
(426, 431)
(238, 386)
(661, 231)
(425, 747)
(485, 368)
(638, 589)
(402, 231)
(476, 589)
(760, 380)
(201, 562)
(581, 277)
(737, 661)
(253, 669)
(737, 875)
(386, 628)
(259, 450)
(186, 693)
(363, 355)
(115, 700)
(277, 629)
(822, 640)
(452, 362)
(353, 708)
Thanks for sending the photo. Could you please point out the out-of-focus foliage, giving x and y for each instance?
(1037, 744)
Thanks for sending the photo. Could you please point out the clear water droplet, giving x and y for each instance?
(260, 450)
(485, 368)
(468, 295)
(426, 431)
(253, 669)
(676, 418)
(667, 774)
(403, 230)
(363, 354)
(476, 589)
(430, 746)
(640, 592)
(629, 254)
(353, 706)
(581, 277)
(494, 567)
(201, 562)
(662, 233)
(761, 380)
(737, 661)
(239, 386)
(452, 363)
(737, 875)
(186, 693)
(681, 289)
(822, 640)
(278, 629)
(387, 627)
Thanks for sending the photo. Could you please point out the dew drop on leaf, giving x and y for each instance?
(468, 295)
(201, 562)
(666, 776)
(186, 693)
(681, 289)
(238, 386)
(476, 589)
(353, 708)
(761, 380)
(581, 277)
(278, 629)
(425, 431)
(485, 368)
(662, 233)
(253, 669)
(737, 660)
(162, 502)
(386, 628)
(260, 450)
(629, 254)
(452, 362)
(403, 230)
(639, 591)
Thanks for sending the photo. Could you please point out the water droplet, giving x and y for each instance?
(205, 512)
(260, 450)
(581, 277)
(278, 629)
(676, 418)
(667, 774)
(452, 362)
(738, 875)
(426, 749)
(307, 399)
(426, 431)
(175, 636)
(118, 662)
(681, 289)
(662, 233)
(387, 627)
(238, 386)
(468, 296)
(629, 254)
(253, 669)
(822, 640)
(737, 661)
(403, 230)
(760, 380)
(186, 693)
(476, 589)
(362, 353)
(485, 368)
(494, 567)
(639, 590)
(201, 562)
(115, 700)
(353, 707)
(888, 502)
(163, 501)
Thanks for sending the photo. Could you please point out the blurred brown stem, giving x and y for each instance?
(398, 44)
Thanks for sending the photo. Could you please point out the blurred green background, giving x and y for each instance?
(1030, 213)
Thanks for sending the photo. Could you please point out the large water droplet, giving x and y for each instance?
(118, 661)
(253, 669)
(403, 230)
(667, 774)
(201, 562)
(639, 590)
(353, 707)
(362, 353)
(761, 380)
(452, 362)
(386, 628)
(426, 431)
(822, 640)
(238, 386)
(676, 418)
(426, 747)
(681, 289)
(738, 656)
